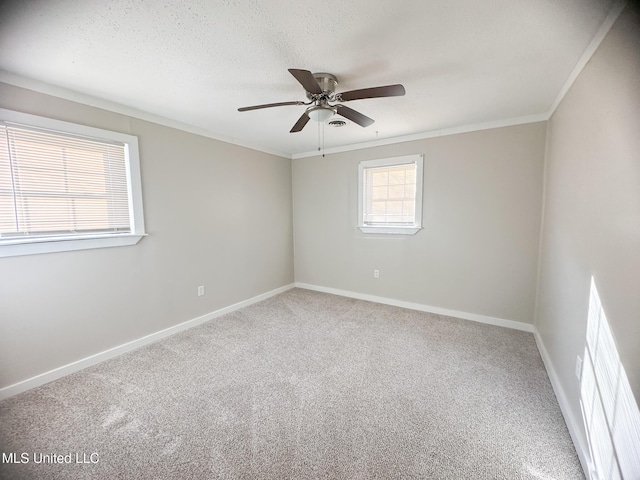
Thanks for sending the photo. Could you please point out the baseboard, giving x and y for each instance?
(78, 365)
(500, 322)
(567, 412)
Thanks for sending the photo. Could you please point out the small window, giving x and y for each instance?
(66, 187)
(390, 195)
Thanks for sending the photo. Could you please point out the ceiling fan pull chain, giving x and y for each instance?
(322, 139)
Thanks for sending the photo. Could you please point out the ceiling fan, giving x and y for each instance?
(321, 92)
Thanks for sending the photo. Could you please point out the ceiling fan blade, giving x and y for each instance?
(305, 77)
(302, 121)
(374, 92)
(268, 105)
(354, 116)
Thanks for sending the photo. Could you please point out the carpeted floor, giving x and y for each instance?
(302, 385)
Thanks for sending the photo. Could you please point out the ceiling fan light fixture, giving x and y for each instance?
(321, 113)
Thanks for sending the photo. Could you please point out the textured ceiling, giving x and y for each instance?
(462, 62)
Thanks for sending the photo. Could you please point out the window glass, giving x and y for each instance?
(390, 195)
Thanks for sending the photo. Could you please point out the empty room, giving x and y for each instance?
(364, 239)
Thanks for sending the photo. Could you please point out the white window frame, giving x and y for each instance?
(62, 243)
(418, 159)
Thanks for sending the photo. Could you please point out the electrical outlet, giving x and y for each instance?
(376, 274)
(578, 367)
(201, 290)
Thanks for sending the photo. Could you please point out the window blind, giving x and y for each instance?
(53, 183)
(390, 195)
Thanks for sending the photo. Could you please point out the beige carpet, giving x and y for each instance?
(302, 385)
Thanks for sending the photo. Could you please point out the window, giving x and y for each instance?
(390, 195)
(609, 411)
(66, 187)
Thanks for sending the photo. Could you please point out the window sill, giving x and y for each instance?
(389, 230)
(33, 246)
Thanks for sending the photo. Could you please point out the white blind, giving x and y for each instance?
(610, 413)
(53, 183)
(390, 195)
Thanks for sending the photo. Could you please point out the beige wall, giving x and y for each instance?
(591, 221)
(217, 215)
(478, 251)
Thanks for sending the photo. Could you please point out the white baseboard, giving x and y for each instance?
(500, 322)
(573, 424)
(81, 364)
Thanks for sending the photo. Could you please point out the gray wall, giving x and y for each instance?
(478, 251)
(591, 223)
(217, 215)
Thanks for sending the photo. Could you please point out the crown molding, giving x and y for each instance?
(474, 127)
(90, 100)
(614, 13)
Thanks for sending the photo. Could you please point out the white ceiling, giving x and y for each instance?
(462, 62)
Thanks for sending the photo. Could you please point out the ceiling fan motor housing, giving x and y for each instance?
(327, 83)
(321, 111)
